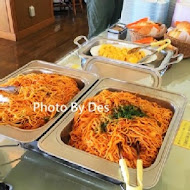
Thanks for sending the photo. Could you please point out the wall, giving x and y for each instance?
(4, 21)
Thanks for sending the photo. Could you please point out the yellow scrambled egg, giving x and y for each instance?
(113, 52)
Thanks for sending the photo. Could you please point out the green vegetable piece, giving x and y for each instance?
(103, 126)
(128, 112)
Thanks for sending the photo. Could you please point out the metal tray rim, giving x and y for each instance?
(154, 73)
(58, 128)
(89, 43)
(26, 136)
(164, 142)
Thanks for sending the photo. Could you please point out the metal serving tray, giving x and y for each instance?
(84, 80)
(55, 141)
(105, 68)
(161, 64)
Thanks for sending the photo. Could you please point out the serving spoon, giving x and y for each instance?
(10, 89)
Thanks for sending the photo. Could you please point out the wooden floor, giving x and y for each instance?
(49, 44)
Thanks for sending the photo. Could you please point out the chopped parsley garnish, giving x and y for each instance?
(128, 112)
(103, 126)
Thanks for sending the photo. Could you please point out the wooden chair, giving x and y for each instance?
(62, 4)
(70, 4)
(77, 3)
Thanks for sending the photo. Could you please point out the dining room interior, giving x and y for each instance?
(94, 94)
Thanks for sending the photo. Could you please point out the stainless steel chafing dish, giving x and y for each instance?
(131, 73)
(55, 141)
(164, 58)
(84, 80)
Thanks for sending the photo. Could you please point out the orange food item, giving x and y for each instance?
(183, 26)
(142, 22)
(181, 32)
(147, 40)
(49, 89)
(99, 133)
(148, 28)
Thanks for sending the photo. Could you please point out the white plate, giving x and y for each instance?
(95, 51)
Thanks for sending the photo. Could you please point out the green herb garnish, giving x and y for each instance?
(103, 126)
(128, 112)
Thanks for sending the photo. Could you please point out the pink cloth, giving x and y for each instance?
(182, 12)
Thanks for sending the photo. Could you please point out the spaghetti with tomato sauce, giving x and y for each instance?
(130, 119)
(49, 89)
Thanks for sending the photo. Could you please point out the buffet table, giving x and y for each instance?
(30, 170)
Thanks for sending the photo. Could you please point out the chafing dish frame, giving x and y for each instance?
(52, 142)
(84, 53)
(84, 80)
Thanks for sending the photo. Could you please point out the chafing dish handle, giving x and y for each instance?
(177, 58)
(4, 186)
(77, 39)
